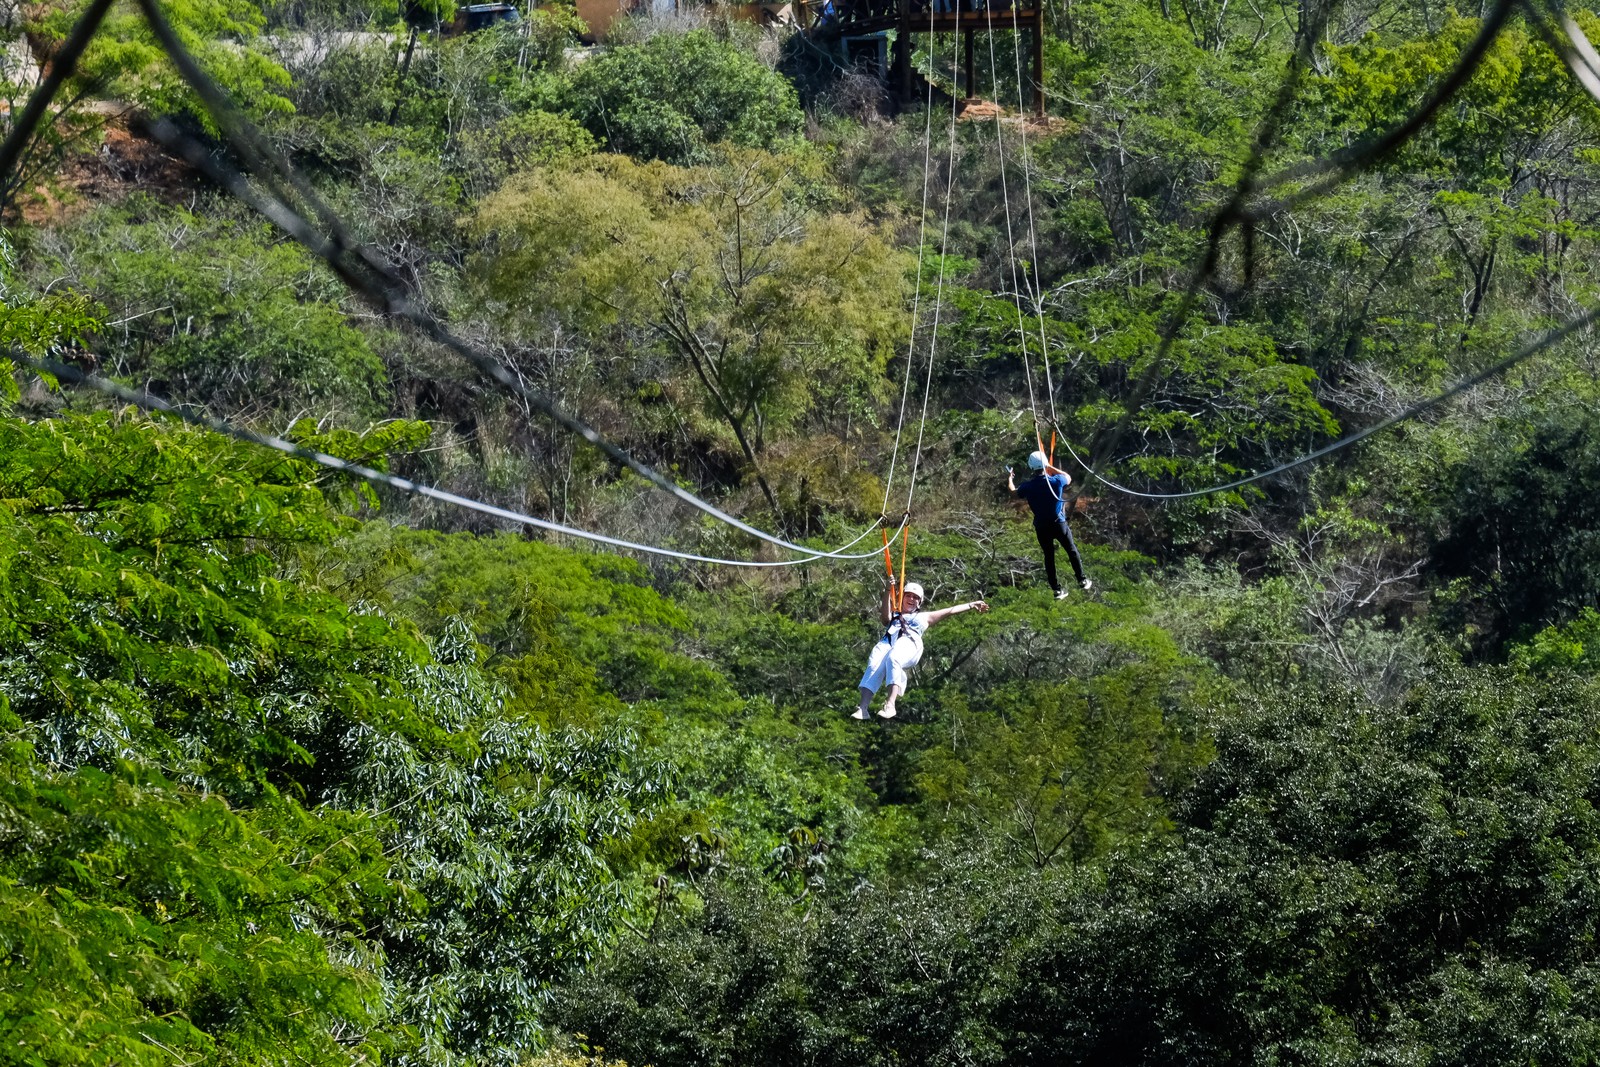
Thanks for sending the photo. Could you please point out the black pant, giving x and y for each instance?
(1049, 533)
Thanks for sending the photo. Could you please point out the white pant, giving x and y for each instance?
(889, 663)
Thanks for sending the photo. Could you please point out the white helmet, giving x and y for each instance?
(913, 589)
(1037, 461)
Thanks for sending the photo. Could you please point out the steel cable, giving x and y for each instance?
(372, 278)
(148, 402)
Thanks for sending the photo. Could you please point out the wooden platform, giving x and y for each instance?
(947, 22)
(906, 23)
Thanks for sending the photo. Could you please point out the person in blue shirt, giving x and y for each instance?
(1046, 494)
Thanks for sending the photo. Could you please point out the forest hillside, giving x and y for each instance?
(455, 467)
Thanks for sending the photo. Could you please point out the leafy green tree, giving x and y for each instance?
(1350, 881)
(216, 311)
(125, 62)
(675, 95)
(1346, 881)
(1058, 773)
(507, 838)
(1520, 104)
(301, 824)
(766, 303)
(1570, 646)
(158, 686)
(1520, 526)
(142, 922)
(878, 976)
(49, 324)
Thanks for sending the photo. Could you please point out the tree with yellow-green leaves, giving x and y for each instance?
(768, 300)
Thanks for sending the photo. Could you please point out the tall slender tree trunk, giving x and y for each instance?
(405, 68)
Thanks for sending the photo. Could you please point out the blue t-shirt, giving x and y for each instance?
(1046, 495)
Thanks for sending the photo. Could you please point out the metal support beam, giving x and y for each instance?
(972, 73)
(1038, 64)
(902, 52)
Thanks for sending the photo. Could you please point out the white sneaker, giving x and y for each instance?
(887, 713)
(860, 714)
(1087, 585)
(1061, 594)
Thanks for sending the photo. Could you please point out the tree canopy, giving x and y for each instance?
(295, 768)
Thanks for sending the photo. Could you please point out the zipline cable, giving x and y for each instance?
(148, 402)
(1011, 245)
(1036, 289)
(374, 279)
(62, 63)
(897, 588)
(1392, 139)
(1549, 339)
(944, 244)
(916, 291)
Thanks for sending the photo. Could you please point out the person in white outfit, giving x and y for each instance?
(901, 646)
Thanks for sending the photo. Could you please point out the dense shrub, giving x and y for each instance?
(674, 95)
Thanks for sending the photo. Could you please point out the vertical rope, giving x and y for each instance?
(1011, 246)
(1036, 292)
(916, 291)
(944, 244)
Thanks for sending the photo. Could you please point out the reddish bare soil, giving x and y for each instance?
(123, 163)
(974, 110)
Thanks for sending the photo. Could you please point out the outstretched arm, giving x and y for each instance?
(975, 605)
(888, 603)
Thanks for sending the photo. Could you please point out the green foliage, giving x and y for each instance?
(675, 95)
(467, 82)
(1057, 772)
(1520, 94)
(216, 311)
(769, 305)
(357, 83)
(48, 324)
(1347, 880)
(1224, 399)
(284, 786)
(879, 977)
(336, 14)
(347, 787)
(523, 141)
(1353, 880)
(548, 31)
(568, 632)
(579, 1056)
(125, 61)
(142, 923)
(1179, 126)
(1520, 521)
(1570, 646)
(143, 641)
(505, 837)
